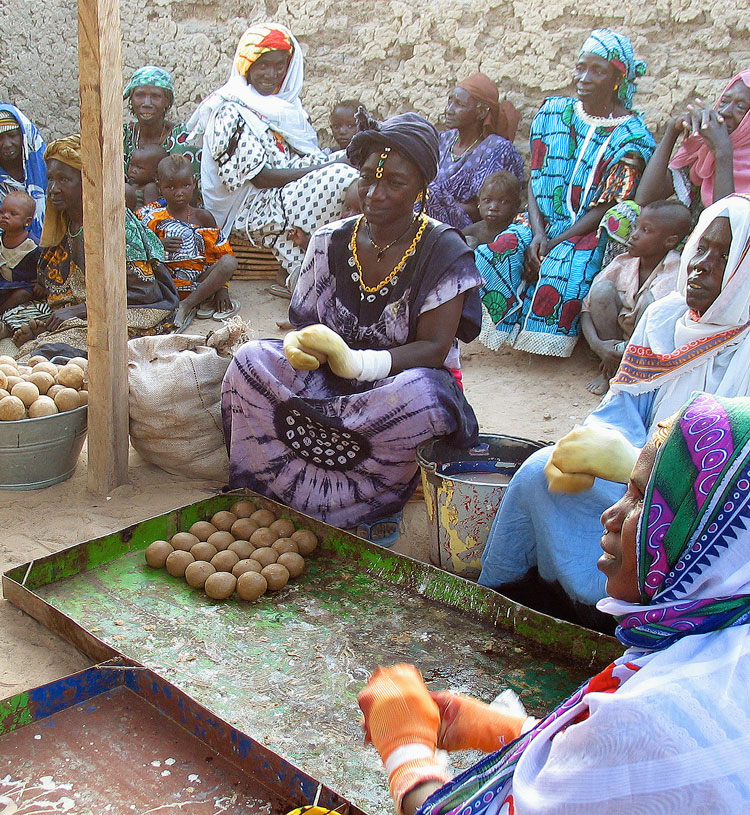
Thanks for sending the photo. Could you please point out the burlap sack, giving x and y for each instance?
(175, 405)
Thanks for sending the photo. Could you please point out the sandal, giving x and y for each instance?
(230, 312)
(277, 290)
(205, 311)
(363, 530)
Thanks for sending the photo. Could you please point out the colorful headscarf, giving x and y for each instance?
(412, 135)
(259, 40)
(618, 50)
(34, 169)
(68, 151)
(696, 154)
(150, 75)
(502, 117)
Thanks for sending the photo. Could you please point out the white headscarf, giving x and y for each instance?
(675, 354)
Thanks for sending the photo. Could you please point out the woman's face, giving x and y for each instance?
(734, 104)
(619, 542)
(705, 270)
(462, 110)
(595, 80)
(64, 189)
(11, 144)
(149, 103)
(387, 199)
(268, 71)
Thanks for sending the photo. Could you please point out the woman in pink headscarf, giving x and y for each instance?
(714, 159)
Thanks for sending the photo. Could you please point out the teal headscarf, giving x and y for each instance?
(150, 75)
(617, 49)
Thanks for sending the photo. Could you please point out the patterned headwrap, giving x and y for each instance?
(618, 50)
(150, 75)
(693, 540)
(414, 137)
(8, 122)
(68, 151)
(259, 40)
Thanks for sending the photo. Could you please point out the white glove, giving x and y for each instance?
(365, 366)
(300, 357)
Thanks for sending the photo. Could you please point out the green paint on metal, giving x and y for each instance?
(14, 712)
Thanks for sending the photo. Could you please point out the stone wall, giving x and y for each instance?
(394, 55)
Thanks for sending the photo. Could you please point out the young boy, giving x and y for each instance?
(343, 123)
(18, 252)
(200, 261)
(141, 187)
(646, 272)
(499, 200)
(351, 206)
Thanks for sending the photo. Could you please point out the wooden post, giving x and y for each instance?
(100, 69)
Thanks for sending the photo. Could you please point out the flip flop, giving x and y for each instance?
(230, 312)
(277, 290)
(189, 317)
(387, 541)
(205, 311)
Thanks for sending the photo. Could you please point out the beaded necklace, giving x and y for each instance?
(454, 157)
(76, 233)
(381, 250)
(397, 268)
(137, 135)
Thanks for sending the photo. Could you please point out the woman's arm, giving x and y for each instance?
(274, 177)
(585, 224)
(656, 182)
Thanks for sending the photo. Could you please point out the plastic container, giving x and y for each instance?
(36, 453)
(463, 490)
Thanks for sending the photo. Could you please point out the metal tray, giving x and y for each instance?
(287, 669)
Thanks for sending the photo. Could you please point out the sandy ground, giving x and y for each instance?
(512, 393)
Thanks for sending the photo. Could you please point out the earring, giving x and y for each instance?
(419, 197)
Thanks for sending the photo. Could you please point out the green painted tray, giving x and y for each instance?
(287, 669)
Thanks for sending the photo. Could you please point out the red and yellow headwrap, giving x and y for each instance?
(259, 40)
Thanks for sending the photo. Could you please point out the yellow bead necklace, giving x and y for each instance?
(397, 268)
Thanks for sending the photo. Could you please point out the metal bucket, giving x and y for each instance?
(36, 453)
(463, 490)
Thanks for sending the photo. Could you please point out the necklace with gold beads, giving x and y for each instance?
(359, 276)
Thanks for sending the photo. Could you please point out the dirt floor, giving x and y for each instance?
(512, 393)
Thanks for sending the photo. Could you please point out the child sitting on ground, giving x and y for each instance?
(499, 201)
(18, 256)
(200, 261)
(141, 187)
(620, 293)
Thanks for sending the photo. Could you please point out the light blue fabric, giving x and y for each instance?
(560, 534)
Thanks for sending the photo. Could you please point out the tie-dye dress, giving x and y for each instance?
(337, 449)
(577, 163)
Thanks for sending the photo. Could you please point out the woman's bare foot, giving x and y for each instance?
(4, 331)
(284, 325)
(27, 332)
(599, 385)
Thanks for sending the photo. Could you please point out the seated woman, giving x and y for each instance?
(586, 154)
(664, 728)
(150, 96)
(695, 339)
(22, 164)
(478, 143)
(262, 172)
(334, 434)
(152, 297)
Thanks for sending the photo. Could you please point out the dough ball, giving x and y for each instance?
(243, 509)
(183, 541)
(3, 393)
(81, 362)
(67, 399)
(202, 530)
(157, 554)
(11, 409)
(36, 359)
(246, 565)
(242, 528)
(241, 548)
(43, 406)
(221, 540)
(42, 380)
(3, 380)
(306, 541)
(293, 562)
(197, 573)
(277, 576)
(262, 537)
(251, 586)
(54, 390)
(46, 367)
(224, 561)
(283, 527)
(27, 392)
(265, 555)
(8, 369)
(71, 376)
(178, 561)
(264, 517)
(83, 398)
(223, 520)
(5, 359)
(285, 545)
(12, 381)
(220, 585)
(203, 551)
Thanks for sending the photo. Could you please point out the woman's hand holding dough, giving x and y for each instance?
(341, 360)
(595, 450)
(300, 357)
(468, 724)
(570, 483)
